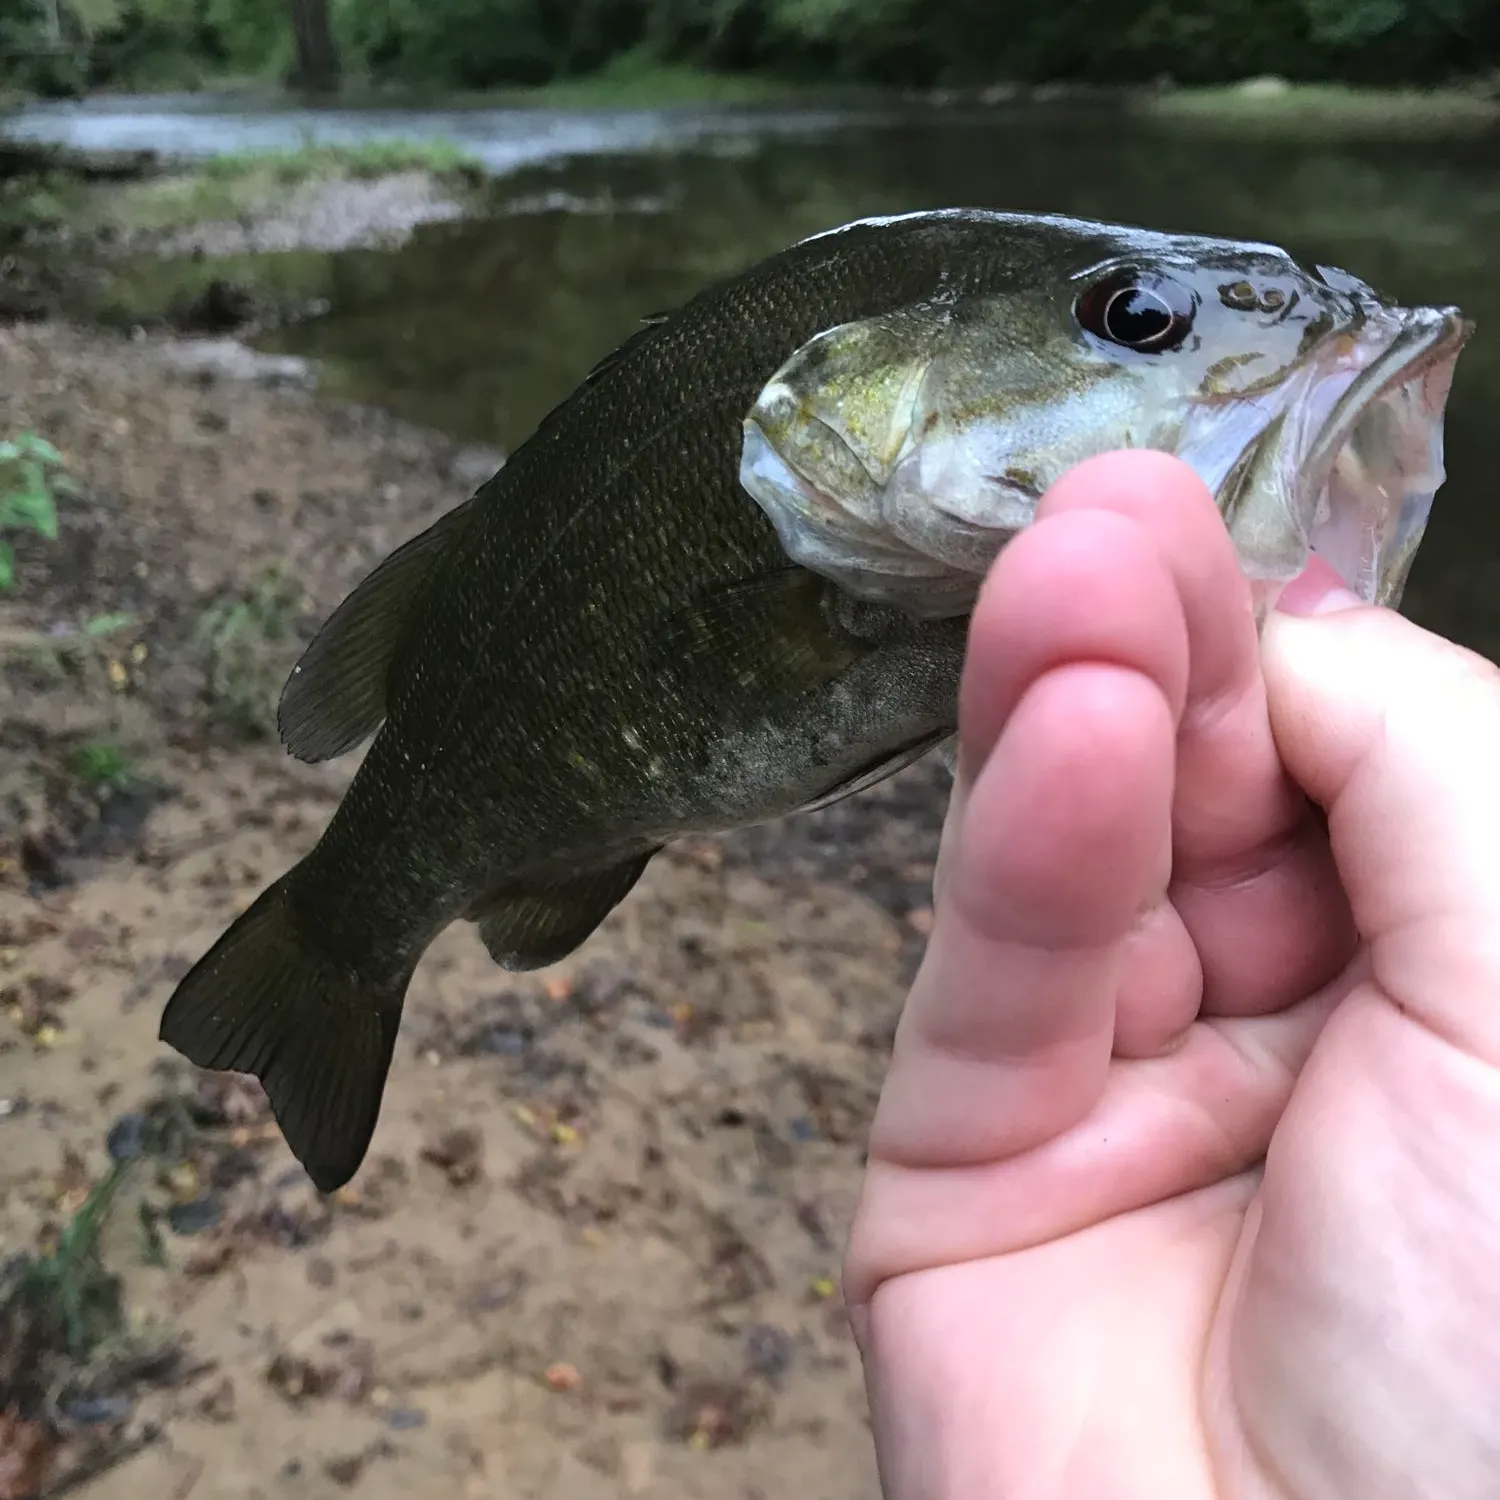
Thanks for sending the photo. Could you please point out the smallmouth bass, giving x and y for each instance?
(729, 578)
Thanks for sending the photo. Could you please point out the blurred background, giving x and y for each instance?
(280, 281)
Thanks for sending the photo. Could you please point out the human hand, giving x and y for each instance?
(1183, 1183)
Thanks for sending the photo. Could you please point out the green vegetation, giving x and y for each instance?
(238, 186)
(30, 480)
(363, 159)
(69, 46)
(101, 766)
(69, 1285)
(1269, 106)
(246, 641)
(243, 185)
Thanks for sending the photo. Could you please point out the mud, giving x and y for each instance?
(594, 1252)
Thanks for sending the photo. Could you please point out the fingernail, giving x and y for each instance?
(1317, 590)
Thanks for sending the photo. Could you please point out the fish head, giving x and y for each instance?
(898, 453)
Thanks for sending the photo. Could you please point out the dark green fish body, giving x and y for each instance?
(602, 650)
(606, 648)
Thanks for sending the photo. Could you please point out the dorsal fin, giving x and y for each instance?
(336, 695)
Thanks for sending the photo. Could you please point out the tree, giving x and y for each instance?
(316, 69)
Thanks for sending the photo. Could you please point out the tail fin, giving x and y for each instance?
(264, 1001)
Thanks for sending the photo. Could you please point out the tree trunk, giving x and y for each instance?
(317, 67)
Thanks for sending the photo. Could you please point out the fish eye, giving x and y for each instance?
(1151, 314)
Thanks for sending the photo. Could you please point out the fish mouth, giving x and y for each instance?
(1349, 463)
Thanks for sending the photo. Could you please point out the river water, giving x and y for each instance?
(602, 216)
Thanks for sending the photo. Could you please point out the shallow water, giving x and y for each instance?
(480, 326)
(503, 137)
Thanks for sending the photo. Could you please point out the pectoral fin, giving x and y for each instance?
(772, 632)
(529, 927)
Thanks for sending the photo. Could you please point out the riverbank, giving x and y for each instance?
(1327, 112)
(316, 197)
(595, 1251)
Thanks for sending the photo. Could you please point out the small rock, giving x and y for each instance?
(714, 1414)
(229, 359)
(346, 1469)
(196, 1215)
(127, 1138)
(218, 1404)
(768, 1351)
(457, 1153)
(1268, 86)
(96, 1411)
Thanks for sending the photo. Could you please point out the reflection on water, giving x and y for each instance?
(480, 327)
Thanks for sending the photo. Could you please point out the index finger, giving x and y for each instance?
(1253, 879)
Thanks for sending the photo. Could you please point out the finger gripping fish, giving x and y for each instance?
(729, 578)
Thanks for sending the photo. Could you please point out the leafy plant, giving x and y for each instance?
(30, 480)
(244, 638)
(70, 1287)
(101, 765)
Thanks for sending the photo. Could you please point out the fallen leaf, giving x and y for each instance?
(714, 1414)
(26, 1453)
(562, 1377)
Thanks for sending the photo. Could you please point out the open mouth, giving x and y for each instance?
(1349, 467)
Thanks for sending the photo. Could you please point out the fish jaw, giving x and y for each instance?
(846, 543)
(1344, 462)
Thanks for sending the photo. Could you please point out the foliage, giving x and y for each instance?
(70, 1284)
(245, 639)
(29, 484)
(60, 46)
(101, 765)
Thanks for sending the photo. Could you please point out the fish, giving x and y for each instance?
(729, 578)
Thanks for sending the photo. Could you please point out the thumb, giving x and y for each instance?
(1395, 732)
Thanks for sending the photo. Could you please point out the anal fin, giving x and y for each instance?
(531, 926)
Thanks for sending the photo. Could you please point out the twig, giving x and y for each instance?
(190, 1479)
(39, 640)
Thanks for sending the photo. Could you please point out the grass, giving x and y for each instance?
(246, 641)
(69, 1286)
(1324, 109)
(101, 766)
(242, 184)
(235, 186)
(363, 160)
